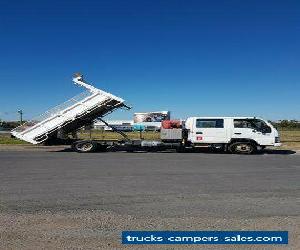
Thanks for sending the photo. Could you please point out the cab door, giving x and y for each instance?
(252, 129)
(209, 130)
(243, 129)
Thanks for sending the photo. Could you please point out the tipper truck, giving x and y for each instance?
(243, 135)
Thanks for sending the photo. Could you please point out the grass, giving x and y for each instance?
(108, 135)
(290, 138)
(6, 139)
(290, 135)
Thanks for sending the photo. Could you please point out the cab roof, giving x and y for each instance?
(225, 117)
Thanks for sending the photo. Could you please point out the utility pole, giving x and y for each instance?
(20, 111)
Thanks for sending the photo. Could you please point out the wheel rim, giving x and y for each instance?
(85, 147)
(243, 148)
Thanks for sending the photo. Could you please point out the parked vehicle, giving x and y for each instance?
(244, 135)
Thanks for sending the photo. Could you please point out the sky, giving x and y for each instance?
(194, 58)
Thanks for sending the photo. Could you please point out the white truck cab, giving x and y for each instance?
(236, 134)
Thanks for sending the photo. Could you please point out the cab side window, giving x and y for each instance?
(209, 123)
(243, 123)
(256, 124)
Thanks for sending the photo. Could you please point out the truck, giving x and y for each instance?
(240, 135)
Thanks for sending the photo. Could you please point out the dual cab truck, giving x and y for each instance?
(244, 135)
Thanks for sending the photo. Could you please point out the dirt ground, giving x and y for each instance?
(102, 230)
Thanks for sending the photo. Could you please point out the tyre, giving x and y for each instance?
(242, 148)
(84, 146)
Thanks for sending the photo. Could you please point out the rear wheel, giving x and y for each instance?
(84, 146)
(242, 148)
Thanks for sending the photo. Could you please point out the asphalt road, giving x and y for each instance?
(161, 185)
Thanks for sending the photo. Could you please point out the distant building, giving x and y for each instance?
(156, 116)
(147, 121)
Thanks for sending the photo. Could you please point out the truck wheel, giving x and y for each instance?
(242, 148)
(84, 146)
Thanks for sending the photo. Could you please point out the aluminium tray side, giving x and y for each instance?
(69, 116)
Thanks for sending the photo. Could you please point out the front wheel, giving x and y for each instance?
(242, 148)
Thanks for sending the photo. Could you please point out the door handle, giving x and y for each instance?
(237, 133)
(199, 133)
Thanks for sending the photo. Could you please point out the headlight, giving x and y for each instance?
(277, 139)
